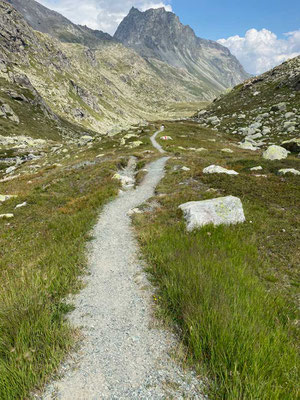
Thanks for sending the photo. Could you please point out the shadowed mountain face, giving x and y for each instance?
(158, 34)
(44, 20)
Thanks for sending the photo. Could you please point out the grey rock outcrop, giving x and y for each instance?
(7, 113)
(86, 96)
(224, 210)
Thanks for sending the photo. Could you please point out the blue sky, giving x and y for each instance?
(215, 19)
(260, 33)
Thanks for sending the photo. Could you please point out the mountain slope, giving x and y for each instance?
(159, 35)
(263, 110)
(201, 68)
(95, 88)
(42, 19)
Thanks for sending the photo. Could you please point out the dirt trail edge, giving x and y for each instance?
(123, 354)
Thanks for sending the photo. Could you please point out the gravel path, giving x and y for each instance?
(124, 355)
(154, 142)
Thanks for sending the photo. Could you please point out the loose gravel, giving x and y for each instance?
(124, 354)
(154, 142)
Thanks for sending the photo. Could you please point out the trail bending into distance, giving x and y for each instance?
(123, 354)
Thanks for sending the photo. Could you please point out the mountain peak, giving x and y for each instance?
(159, 34)
(159, 10)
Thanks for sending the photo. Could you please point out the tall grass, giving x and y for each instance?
(42, 255)
(231, 324)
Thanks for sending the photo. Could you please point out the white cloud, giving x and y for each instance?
(261, 50)
(101, 14)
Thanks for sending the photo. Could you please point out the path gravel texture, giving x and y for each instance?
(124, 354)
(154, 142)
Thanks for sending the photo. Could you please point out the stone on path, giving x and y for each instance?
(224, 210)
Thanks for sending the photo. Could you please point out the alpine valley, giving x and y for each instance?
(149, 213)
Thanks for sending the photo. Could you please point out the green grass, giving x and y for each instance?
(232, 291)
(43, 257)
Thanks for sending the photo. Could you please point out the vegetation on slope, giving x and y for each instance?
(231, 290)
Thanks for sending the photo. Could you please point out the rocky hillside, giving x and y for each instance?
(199, 68)
(158, 35)
(96, 88)
(42, 19)
(264, 110)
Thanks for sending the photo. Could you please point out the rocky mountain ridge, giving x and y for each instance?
(157, 34)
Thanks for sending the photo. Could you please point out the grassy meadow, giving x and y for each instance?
(231, 291)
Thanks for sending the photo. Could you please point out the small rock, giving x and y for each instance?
(215, 169)
(247, 146)
(289, 124)
(227, 151)
(6, 216)
(289, 115)
(135, 144)
(279, 107)
(5, 197)
(213, 120)
(285, 171)
(86, 139)
(185, 169)
(10, 170)
(134, 211)
(21, 205)
(275, 153)
(259, 168)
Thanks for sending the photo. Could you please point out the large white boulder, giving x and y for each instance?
(275, 153)
(223, 210)
(216, 169)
